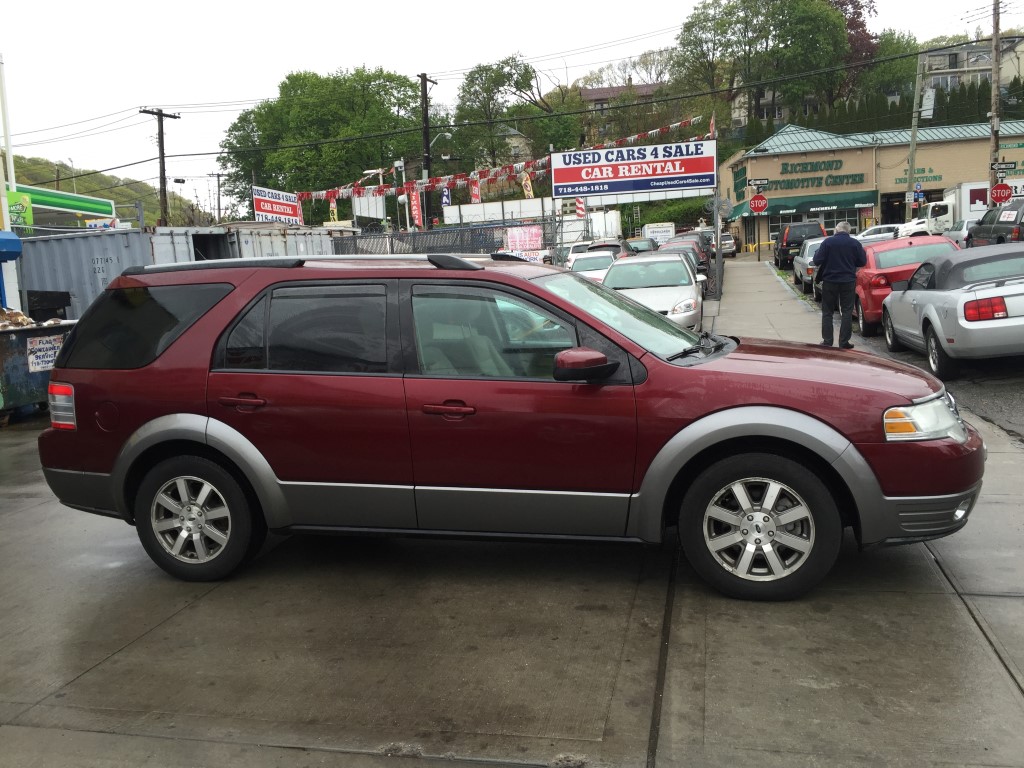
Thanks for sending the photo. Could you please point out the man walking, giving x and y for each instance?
(837, 260)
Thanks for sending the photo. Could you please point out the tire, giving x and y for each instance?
(222, 531)
(892, 342)
(939, 363)
(968, 243)
(867, 330)
(751, 553)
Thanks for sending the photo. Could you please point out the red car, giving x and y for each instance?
(887, 262)
(206, 403)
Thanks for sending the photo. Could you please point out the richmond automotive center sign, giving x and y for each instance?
(655, 168)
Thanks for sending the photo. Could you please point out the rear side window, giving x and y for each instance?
(128, 328)
(314, 329)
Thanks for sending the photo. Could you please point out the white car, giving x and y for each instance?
(878, 232)
(592, 264)
(958, 232)
(959, 305)
(664, 282)
(912, 227)
(803, 270)
(728, 244)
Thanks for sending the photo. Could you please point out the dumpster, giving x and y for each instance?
(27, 355)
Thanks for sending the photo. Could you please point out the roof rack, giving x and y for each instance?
(449, 261)
(280, 263)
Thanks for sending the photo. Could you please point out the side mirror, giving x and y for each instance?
(702, 278)
(900, 285)
(583, 364)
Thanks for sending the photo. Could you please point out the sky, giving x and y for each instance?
(75, 80)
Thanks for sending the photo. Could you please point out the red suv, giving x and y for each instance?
(205, 403)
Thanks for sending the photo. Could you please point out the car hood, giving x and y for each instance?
(837, 368)
(661, 299)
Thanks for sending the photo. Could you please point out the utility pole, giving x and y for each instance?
(994, 114)
(915, 116)
(425, 109)
(218, 175)
(160, 115)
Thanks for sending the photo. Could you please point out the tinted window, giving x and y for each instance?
(995, 270)
(923, 279)
(332, 329)
(586, 263)
(247, 342)
(899, 257)
(130, 327)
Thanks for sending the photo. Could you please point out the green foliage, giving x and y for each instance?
(891, 77)
(298, 140)
(682, 212)
(811, 37)
(124, 191)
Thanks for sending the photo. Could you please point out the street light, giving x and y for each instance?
(380, 177)
(425, 203)
(74, 181)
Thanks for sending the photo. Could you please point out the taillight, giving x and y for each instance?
(1015, 234)
(985, 309)
(62, 406)
(879, 281)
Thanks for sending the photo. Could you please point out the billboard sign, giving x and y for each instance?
(621, 170)
(274, 205)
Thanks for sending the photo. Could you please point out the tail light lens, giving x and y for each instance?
(985, 309)
(1015, 234)
(61, 398)
(879, 281)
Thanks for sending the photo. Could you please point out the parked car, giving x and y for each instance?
(642, 244)
(593, 264)
(1004, 224)
(688, 250)
(664, 282)
(205, 403)
(888, 262)
(791, 237)
(878, 232)
(914, 227)
(803, 270)
(960, 305)
(958, 232)
(728, 244)
(699, 239)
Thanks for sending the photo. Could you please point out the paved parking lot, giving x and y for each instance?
(352, 652)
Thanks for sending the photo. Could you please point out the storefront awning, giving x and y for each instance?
(822, 203)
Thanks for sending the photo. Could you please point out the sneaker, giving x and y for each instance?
(847, 345)
(825, 344)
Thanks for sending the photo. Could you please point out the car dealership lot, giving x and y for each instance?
(338, 651)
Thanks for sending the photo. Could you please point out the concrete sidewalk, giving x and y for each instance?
(904, 656)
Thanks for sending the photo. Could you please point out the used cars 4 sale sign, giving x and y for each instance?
(616, 170)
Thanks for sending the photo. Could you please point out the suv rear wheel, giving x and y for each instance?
(194, 520)
(760, 526)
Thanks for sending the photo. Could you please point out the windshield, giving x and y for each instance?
(636, 322)
(651, 274)
(587, 263)
(900, 257)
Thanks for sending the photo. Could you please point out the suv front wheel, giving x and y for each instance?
(760, 527)
(194, 520)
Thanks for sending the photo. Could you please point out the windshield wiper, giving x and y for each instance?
(707, 343)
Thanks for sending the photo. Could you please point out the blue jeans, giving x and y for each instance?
(837, 296)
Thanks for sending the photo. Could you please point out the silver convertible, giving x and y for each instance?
(964, 304)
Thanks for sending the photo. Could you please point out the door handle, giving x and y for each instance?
(449, 409)
(242, 401)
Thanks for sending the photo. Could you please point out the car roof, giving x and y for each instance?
(904, 242)
(949, 268)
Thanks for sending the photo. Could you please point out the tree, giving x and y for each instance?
(704, 59)
(812, 37)
(891, 77)
(310, 136)
(862, 46)
(755, 133)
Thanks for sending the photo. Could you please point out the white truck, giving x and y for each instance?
(966, 200)
(659, 233)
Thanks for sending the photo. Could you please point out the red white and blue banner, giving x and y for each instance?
(617, 170)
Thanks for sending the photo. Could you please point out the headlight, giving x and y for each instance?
(933, 419)
(688, 305)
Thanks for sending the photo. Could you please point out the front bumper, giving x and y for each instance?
(923, 518)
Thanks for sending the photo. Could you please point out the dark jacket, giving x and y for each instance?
(839, 257)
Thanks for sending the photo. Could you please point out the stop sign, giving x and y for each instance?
(1000, 193)
(759, 203)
